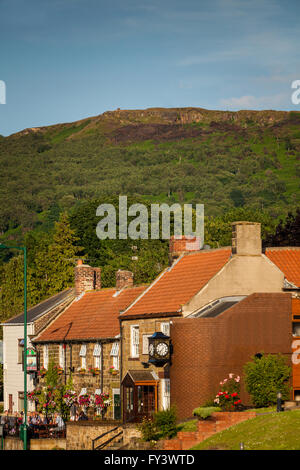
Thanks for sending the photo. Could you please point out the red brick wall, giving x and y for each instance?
(206, 350)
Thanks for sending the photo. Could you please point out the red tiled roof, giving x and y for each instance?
(296, 306)
(177, 284)
(288, 261)
(95, 315)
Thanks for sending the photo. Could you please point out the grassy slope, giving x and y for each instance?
(273, 431)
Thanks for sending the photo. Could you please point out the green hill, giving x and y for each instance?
(272, 431)
(220, 158)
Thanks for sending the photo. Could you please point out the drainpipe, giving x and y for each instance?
(101, 366)
(121, 371)
(65, 349)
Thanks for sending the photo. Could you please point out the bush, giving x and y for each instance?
(204, 412)
(165, 422)
(148, 430)
(228, 397)
(163, 426)
(265, 377)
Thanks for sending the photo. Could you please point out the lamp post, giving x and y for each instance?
(279, 396)
(23, 248)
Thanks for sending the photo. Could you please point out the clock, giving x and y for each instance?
(159, 349)
(151, 349)
(162, 349)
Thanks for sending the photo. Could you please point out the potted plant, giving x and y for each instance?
(113, 371)
(81, 370)
(94, 371)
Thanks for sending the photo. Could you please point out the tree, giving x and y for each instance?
(265, 376)
(287, 233)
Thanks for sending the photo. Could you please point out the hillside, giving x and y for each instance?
(272, 431)
(220, 158)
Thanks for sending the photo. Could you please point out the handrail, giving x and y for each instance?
(108, 441)
(102, 435)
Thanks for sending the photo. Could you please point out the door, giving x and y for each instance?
(145, 401)
(10, 403)
(117, 403)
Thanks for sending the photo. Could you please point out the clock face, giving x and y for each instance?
(162, 349)
(151, 349)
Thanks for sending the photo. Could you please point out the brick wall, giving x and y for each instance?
(206, 350)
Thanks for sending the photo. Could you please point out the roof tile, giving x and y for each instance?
(288, 261)
(95, 315)
(177, 284)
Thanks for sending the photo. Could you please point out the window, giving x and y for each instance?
(61, 356)
(296, 328)
(135, 341)
(82, 355)
(115, 355)
(97, 356)
(165, 328)
(20, 350)
(165, 393)
(20, 401)
(146, 344)
(46, 356)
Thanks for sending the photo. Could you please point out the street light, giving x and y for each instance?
(23, 248)
(279, 396)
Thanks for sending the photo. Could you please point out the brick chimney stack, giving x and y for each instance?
(246, 238)
(86, 278)
(180, 245)
(124, 279)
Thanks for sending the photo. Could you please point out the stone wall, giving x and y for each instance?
(86, 380)
(79, 435)
(147, 326)
(13, 443)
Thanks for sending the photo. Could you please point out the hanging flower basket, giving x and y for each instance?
(42, 372)
(82, 371)
(70, 398)
(94, 371)
(84, 400)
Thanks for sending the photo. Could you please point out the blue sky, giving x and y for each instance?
(63, 60)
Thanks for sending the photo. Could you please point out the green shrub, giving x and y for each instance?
(165, 422)
(163, 425)
(204, 412)
(265, 377)
(148, 430)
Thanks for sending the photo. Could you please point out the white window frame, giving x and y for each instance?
(165, 393)
(61, 356)
(97, 355)
(45, 356)
(165, 328)
(115, 355)
(82, 354)
(134, 340)
(146, 344)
